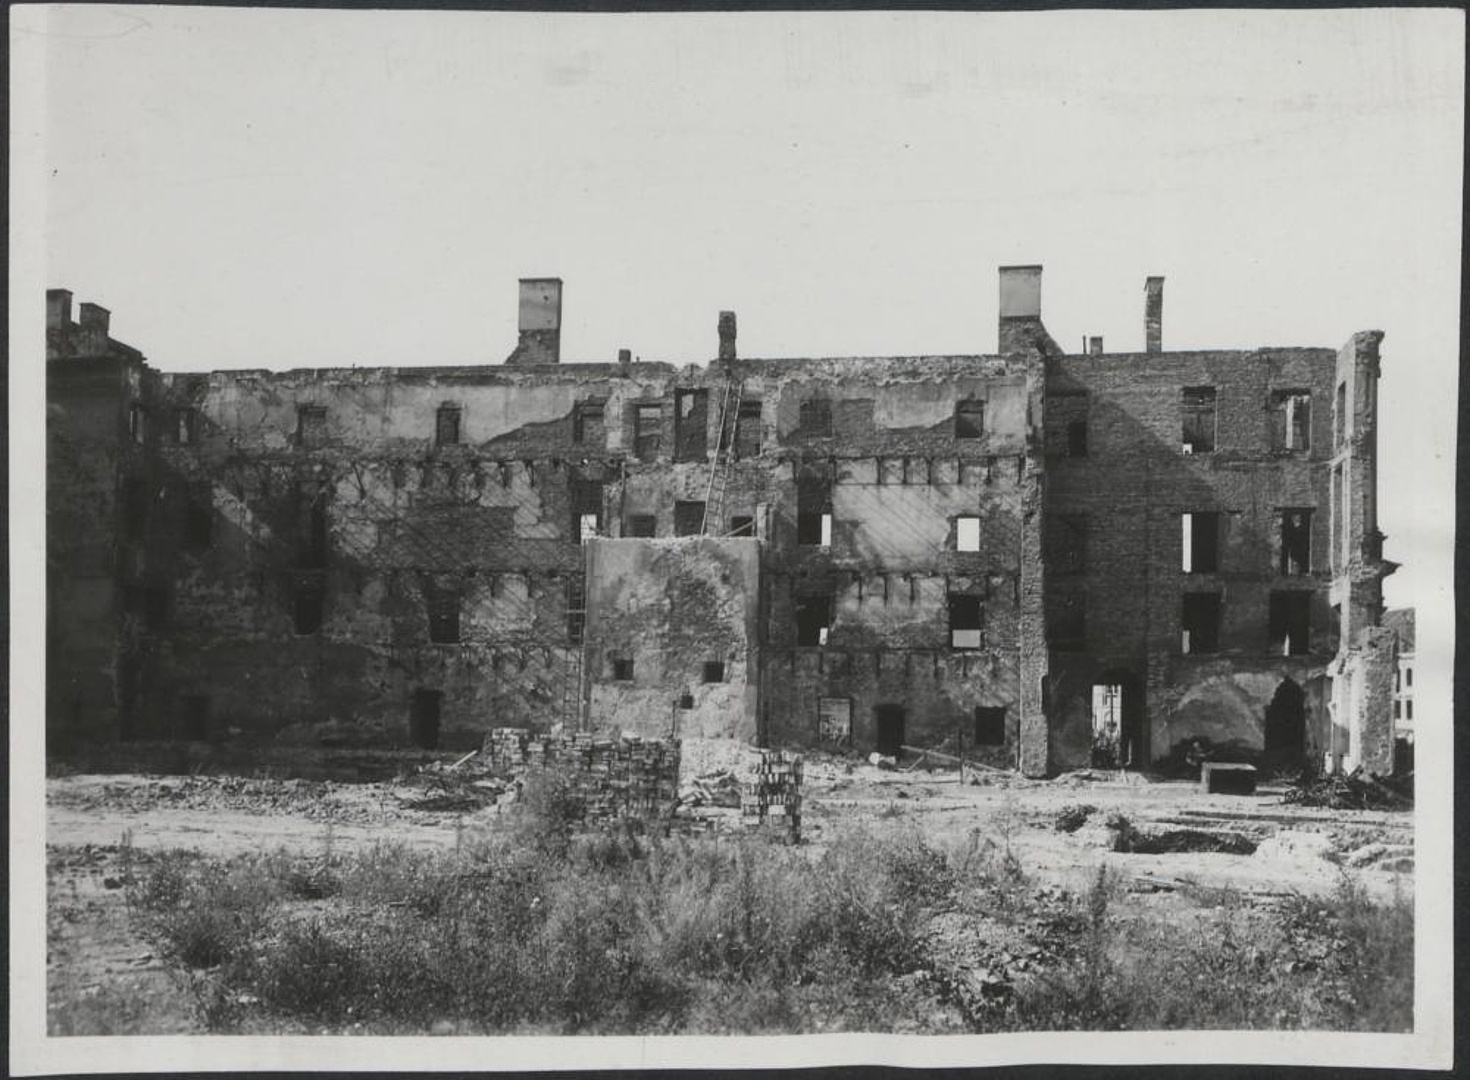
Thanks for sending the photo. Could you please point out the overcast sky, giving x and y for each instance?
(252, 188)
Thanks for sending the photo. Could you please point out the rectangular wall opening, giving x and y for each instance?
(966, 622)
(586, 499)
(1296, 542)
(185, 426)
(834, 720)
(444, 607)
(648, 423)
(446, 425)
(691, 424)
(714, 671)
(588, 425)
(1200, 620)
(1290, 622)
(1291, 420)
(813, 618)
(742, 525)
(688, 517)
(1200, 542)
(622, 669)
(814, 418)
(1198, 410)
(644, 525)
(990, 725)
(889, 720)
(967, 534)
(423, 722)
(748, 429)
(311, 426)
(969, 419)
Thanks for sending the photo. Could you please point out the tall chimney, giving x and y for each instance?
(93, 317)
(540, 322)
(58, 309)
(727, 335)
(1020, 312)
(1153, 315)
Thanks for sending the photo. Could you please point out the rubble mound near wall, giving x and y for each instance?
(611, 778)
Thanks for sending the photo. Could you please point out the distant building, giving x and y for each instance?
(1401, 622)
(1037, 560)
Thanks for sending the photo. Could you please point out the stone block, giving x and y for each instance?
(1227, 778)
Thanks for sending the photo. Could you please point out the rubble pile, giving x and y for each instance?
(613, 778)
(1353, 791)
(774, 798)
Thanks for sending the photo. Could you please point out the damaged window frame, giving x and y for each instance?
(741, 525)
(589, 424)
(747, 440)
(1289, 622)
(1199, 541)
(648, 429)
(969, 418)
(1199, 419)
(819, 609)
(1200, 618)
(965, 613)
(1291, 420)
(1294, 538)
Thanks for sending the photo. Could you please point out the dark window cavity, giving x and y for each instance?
(688, 517)
(1291, 420)
(443, 616)
(1198, 409)
(311, 425)
(137, 423)
(969, 419)
(589, 427)
(714, 671)
(1296, 542)
(647, 430)
(813, 511)
(641, 525)
(622, 669)
(990, 725)
(423, 721)
(1200, 620)
(691, 424)
(446, 425)
(813, 618)
(815, 417)
(185, 426)
(1200, 542)
(311, 547)
(1339, 415)
(742, 525)
(1289, 622)
(966, 622)
(586, 499)
(748, 429)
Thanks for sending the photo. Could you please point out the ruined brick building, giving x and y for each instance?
(1031, 558)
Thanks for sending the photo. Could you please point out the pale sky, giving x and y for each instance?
(274, 188)
(252, 188)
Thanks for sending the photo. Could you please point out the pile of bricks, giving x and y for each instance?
(612, 778)
(774, 798)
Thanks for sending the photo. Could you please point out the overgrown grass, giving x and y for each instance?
(540, 929)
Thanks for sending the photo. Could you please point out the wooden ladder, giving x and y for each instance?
(571, 688)
(719, 469)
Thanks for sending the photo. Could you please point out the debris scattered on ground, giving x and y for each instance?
(1073, 817)
(1354, 791)
(720, 788)
(882, 761)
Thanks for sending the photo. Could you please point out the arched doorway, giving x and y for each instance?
(1286, 726)
(1119, 736)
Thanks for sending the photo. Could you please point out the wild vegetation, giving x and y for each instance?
(536, 928)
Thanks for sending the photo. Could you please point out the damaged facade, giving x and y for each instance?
(1027, 558)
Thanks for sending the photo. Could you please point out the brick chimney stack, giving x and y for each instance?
(1153, 315)
(58, 309)
(1020, 312)
(93, 317)
(540, 323)
(727, 335)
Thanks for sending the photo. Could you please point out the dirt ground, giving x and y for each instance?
(97, 823)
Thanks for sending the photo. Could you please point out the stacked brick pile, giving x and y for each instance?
(774, 798)
(612, 778)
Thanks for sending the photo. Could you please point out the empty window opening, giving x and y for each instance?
(1289, 622)
(813, 618)
(688, 517)
(1200, 619)
(589, 427)
(1198, 407)
(194, 717)
(966, 622)
(1339, 415)
(834, 720)
(714, 671)
(1286, 726)
(1066, 535)
(644, 525)
(622, 669)
(311, 547)
(1408, 676)
(137, 423)
(969, 419)
(1408, 708)
(311, 425)
(990, 725)
(648, 424)
(742, 525)
(443, 616)
(423, 721)
(748, 429)
(1291, 420)
(813, 511)
(185, 426)
(586, 499)
(1067, 623)
(446, 426)
(576, 600)
(1398, 710)
(691, 424)
(1077, 438)
(199, 518)
(1339, 520)
(1334, 628)
(889, 720)
(967, 534)
(1296, 541)
(1200, 542)
(308, 607)
(814, 529)
(815, 417)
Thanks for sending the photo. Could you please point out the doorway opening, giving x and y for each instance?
(1119, 739)
(890, 729)
(424, 720)
(1286, 726)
